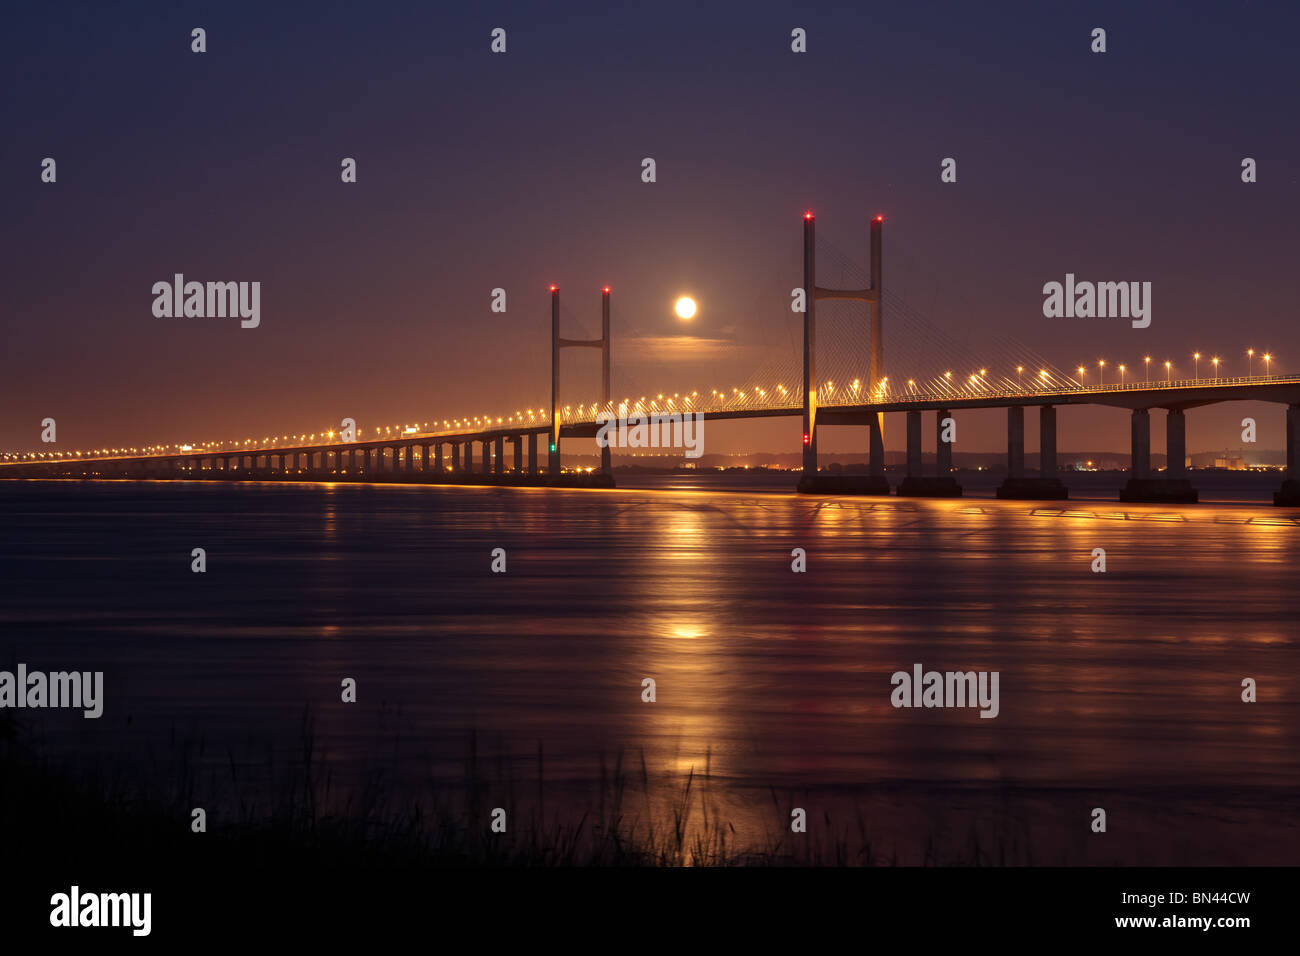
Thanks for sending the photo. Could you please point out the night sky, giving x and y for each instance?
(478, 171)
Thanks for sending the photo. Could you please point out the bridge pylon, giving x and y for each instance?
(557, 343)
(873, 296)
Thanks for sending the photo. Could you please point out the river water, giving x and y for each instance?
(1119, 690)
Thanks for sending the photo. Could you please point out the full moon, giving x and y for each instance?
(685, 307)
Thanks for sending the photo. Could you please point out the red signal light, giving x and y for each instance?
(806, 440)
(808, 215)
(555, 288)
(606, 290)
(880, 219)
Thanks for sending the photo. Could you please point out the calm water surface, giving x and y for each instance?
(1119, 690)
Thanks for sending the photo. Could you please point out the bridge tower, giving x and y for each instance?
(873, 296)
(557, 343)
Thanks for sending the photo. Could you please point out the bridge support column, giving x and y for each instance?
(1016, 441)
(942, 449)
(410, 458)
(553, 462)
(424, 458)
(519, 454)
(809, 349)
(437, 458)
(500, 465)
(455, 457)
(1047, 441)
(1176, 444)
(1140, 458)
(876, 446)
(913, 444)
(532, 453)
(467, 462)
(1289, 494)
(942, 485)
(1045, 487)
(487, 457)
(1141, 486)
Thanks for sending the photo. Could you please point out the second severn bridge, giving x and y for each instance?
(448, 455)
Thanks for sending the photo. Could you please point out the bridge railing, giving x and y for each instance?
(749, 400)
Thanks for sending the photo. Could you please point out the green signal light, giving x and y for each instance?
(552, 446)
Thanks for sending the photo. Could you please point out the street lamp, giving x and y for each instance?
(1267, 359)
(1168, 371)
(1196, 368)
(1215, 360)
(1148, 361)
(1121, 376)
(1250, 362)
(1101, 374)
(1081, 375)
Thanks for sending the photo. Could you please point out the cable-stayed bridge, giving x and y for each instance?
(932, 374)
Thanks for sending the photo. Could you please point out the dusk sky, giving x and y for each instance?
(478, 170)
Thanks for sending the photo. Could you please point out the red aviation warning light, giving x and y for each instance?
(808, 214)
(880, 219)
(555, 288)
(806, 439)
(605, 290)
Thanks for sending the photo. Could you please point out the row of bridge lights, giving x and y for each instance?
(535, 416)
(1169, 368)
(977, 380)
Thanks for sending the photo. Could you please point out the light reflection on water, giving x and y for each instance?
(1114, 687)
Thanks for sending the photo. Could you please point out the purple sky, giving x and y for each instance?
(478, 171)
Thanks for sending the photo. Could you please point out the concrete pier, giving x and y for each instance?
(532, 453)
(914, 456)
(1288, 496)
(876, 445)
(500, 467)
(518, 442)
(1016, 441)
(872, 483)
(942, 449)
(1176, 444)
(1016, 485)
(1173, 488)
(941, 485)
